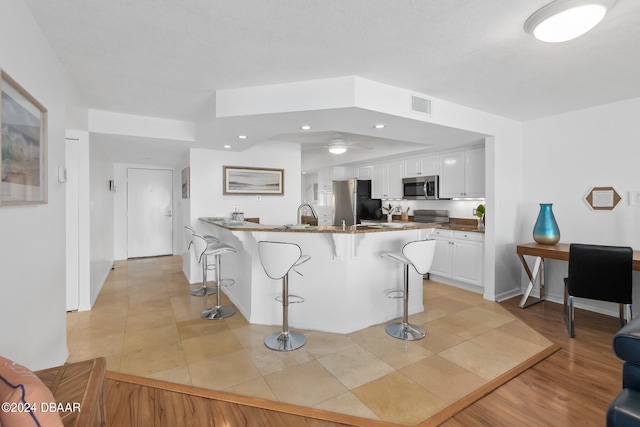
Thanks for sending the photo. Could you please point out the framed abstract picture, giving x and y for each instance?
(23, 139)
(247, 180)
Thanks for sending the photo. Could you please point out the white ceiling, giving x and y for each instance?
(166, 58)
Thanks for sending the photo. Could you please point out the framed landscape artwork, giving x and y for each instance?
(23, 139)
(248, 180)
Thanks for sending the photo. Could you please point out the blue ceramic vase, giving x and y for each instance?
(546, 230)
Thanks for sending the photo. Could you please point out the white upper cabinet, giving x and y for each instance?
(474, 173)
(350, 172)
(462, 174)
(386, 180)
(452, 175)
(422, 166)
(365, 172)
(378, 181)
(394, 176)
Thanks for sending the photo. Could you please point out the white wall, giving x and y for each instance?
(207, 199)
(102, 221)
(567, 154)
(32, 254)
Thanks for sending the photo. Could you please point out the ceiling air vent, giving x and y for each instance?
(420, 105)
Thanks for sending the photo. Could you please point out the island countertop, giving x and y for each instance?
(250, 226)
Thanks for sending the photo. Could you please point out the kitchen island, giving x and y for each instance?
(344, 283)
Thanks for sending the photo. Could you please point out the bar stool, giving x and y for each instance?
(203, 290)
(277, 259)
(418, 254)
(215, 250)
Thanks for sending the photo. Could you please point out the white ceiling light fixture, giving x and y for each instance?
(305, 127)
(563, 20)
(337, 145)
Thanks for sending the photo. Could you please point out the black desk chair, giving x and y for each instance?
(599, 272)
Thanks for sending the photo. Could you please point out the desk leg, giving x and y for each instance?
(538, 272)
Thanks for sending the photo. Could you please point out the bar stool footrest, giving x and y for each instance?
(225, 283)
(394, 293)
(293, 299)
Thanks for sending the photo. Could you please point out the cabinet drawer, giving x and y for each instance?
(468, 235)
(438, 232)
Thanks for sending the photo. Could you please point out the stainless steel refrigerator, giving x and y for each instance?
(352, 202)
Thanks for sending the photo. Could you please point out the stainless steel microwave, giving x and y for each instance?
(421, 188)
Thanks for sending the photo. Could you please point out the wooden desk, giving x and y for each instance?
(559, 252)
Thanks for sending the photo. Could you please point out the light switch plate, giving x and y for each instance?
(62, 175)
(634, 198)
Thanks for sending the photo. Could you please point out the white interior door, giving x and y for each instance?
(149, 212)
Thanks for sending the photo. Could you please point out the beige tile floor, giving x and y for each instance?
(145, 323)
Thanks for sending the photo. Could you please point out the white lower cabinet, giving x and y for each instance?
(443, 254)
(459, 256)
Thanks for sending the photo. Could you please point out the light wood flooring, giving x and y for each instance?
(129, 326)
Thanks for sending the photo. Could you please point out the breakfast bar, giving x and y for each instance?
(343, 285)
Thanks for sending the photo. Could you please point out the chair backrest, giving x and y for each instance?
(601, 272)
(199, 245)
(188, 232)
(420, 254)
(277, 258)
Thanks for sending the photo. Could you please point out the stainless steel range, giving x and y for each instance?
(431, 216)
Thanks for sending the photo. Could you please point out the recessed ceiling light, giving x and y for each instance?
(563, 20)
(227, 146)
(242, 136)
(379, 126)
(305, 127)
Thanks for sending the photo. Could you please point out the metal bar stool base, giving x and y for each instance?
(218, 313)
(203, 291)
(407, 332)
(281, 341)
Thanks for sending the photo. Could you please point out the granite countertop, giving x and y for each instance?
(377, 228)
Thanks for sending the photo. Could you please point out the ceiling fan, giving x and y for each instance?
(336, 145)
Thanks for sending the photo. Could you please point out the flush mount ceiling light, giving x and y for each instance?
(305, 127)
(564, 20)
(337, 145)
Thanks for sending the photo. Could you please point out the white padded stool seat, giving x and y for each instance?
(418, 254)
(206, 250)
(278, 258)
(208, 237)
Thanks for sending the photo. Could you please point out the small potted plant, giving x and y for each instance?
(388, 210)
(480, 215)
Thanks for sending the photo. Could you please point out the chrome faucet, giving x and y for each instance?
(307, 205)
